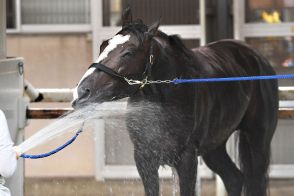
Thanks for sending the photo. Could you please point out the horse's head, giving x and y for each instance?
(126, 55)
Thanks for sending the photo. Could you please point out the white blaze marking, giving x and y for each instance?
(112, 44)
(75, 91)
(75, 94)
(88, 72)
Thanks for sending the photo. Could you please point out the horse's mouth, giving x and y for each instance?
(76, 104)
(85, 101)
(79, 103)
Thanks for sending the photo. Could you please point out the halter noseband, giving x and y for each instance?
(130, 79)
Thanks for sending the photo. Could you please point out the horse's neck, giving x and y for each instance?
(167, 67)
(170, 64)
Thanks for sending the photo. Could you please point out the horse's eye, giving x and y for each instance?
(127, 54)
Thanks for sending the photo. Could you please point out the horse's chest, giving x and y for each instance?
(153, 131)
(156, 133)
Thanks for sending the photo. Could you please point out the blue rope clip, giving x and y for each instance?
(39, 156)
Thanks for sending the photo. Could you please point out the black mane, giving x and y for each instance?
(138, 28)
(176, 42)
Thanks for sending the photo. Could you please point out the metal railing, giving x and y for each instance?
(286, 94)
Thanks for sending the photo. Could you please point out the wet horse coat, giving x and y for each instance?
(177, 123)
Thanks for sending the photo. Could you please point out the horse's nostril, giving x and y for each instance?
(87, 92)
(84, 93)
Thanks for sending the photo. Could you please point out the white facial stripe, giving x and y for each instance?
(88, 72)
(112, 44)
(75, 93)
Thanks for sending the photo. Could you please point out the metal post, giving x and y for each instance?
(99, 148)
(2, 29)
(222, 19)
(96, 23)
(239, 18)
(202, 6)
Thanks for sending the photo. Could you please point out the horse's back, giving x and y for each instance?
(230, 55)
(233, 58)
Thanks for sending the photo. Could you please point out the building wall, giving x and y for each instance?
(56, 61)
(52, 61)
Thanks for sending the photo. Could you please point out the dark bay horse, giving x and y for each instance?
(177, 123)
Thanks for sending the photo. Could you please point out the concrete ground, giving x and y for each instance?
(90, 187)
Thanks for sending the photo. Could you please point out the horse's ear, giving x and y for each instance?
(153, 29)
(103, 45)
(127, 16)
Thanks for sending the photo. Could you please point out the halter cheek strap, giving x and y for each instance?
(130, 79)
(107, 70)
(148, 68)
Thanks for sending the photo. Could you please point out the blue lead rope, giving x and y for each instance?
(229, 79)
(39, 156)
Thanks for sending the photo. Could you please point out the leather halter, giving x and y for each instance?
(108, 70)
(127, 78)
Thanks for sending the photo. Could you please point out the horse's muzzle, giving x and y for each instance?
(83, 96)
(74, 103)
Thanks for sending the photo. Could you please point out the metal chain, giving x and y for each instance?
(159, 81)
(145, 81)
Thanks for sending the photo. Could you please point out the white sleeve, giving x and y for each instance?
(8, 160)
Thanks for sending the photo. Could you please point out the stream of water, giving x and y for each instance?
(70, 122)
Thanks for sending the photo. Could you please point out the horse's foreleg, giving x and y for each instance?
(187, 171)
(219, 162)
(147, 167)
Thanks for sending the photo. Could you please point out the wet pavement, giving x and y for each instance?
(91, 187)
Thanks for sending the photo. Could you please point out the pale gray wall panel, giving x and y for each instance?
(55, 11)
